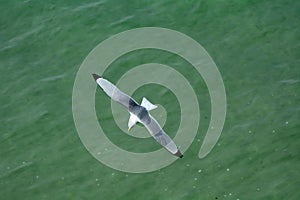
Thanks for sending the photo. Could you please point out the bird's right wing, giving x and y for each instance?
(116, 94)
(160, 136)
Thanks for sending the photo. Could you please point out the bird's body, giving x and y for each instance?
(139, 113)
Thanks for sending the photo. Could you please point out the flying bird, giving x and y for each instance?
(139, 113)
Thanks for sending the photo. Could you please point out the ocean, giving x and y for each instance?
(255, 45)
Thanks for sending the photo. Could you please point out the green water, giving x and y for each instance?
(256, 46)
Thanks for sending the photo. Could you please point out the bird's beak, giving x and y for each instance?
(129, 129)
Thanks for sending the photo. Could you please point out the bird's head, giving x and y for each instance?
(132, 121)
(130, 126)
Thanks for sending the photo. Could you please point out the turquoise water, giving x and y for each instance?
(255, 45)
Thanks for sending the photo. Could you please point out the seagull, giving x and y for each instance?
(139, 113)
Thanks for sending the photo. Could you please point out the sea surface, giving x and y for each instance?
(256, 47)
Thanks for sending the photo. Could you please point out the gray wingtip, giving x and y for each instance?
(96, 76)
(178, 154)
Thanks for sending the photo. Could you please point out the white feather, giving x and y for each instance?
(147, 104)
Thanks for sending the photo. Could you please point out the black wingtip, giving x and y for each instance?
(178, 154)
(96, 76)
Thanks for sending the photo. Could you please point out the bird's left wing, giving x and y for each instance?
(161, 137)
